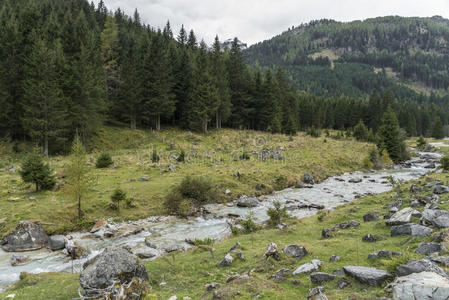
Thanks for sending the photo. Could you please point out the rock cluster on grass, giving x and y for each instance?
(410, 229)
(327, 232)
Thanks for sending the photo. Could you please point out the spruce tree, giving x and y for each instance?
(360, 131)
(110, 49)
(44, 116)
(158, 96)
(34, 170)
(390, 138)
(221, 82)
(437, 129)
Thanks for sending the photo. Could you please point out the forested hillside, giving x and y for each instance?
(332, 58)
(71, 66)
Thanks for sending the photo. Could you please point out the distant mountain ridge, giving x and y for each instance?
(408, 55)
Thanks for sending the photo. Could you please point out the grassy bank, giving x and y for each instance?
(216, 156)
(185, 274)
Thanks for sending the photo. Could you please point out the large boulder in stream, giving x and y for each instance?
(27, 236)
(116, 264)
(248, 202)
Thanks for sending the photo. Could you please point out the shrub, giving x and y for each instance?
(155, 157)
(104, 161)
(314, 132)
(444, 161)
(361, 131)
(36, 171)
(118, 196)
(281, 182)
(249, 223)
(245, 156)
(192, 192)
(277, 214)
(421, 143)
(182, 156)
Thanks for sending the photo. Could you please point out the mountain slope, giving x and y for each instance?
(329, 58)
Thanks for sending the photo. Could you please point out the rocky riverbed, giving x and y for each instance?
(152, 237)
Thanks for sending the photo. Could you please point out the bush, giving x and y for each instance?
(421, 143)
(277, 214)
(444, 161)
(361, 131)
(182, 156)
(192, 192)
(118, 196)
(249, 223)
(313, 132)
(281, 182)
(155, 157)
(103, 161)
(245, 156)
(36, 171)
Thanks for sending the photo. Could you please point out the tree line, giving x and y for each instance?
(68, 67)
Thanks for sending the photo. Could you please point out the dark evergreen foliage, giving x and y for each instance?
(34, 170)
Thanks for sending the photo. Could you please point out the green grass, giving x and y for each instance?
(216, 157)
(185, 274)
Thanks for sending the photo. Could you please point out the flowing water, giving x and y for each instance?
(167, 232)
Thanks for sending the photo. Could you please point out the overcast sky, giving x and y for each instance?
(257, 20)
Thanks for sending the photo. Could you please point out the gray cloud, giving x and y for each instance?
(256, 20)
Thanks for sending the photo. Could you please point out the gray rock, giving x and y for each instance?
(114, 263)
(212, 286)
(366, 275)
(295, 251)
(397, 203)
(248, 202)
(320, 277)
(317, 294)
(27, 236)
(312, 266)
(280, 275)
(383, 254)
(441, 260)
(56, 242)
(401, 217)
(436, 217)
(431, 165)
(74, 250)
(334, 258)
(428, 248)
(414, 189)
(343, 283)
(308, 179)
(355, 180)
(19, 260)
(346, 225)
(272, 251)
(424, 285)
(440, 189)
(173, 248)
(410, 229)
(144, 178)
(370, 217)
(414, 203)
(227, 260)
(418, 266)
(148, 253)
(370, 238)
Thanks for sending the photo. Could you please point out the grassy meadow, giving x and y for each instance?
(216, 156)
